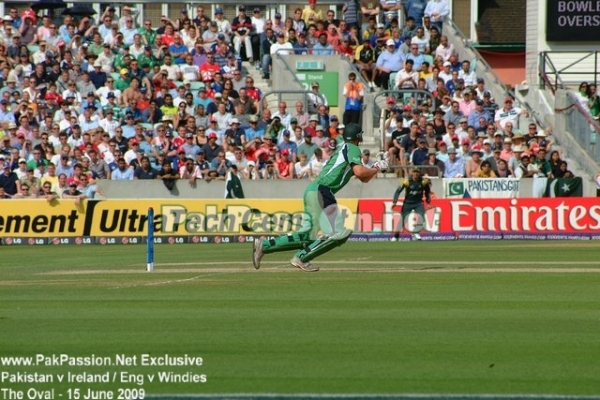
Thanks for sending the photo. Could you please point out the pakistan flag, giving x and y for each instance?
(564, 187)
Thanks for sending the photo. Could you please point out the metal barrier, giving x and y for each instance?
(583, 64)
(304, 96)
(582, 126)
(577, 121)
(284, 52)
(466, 51)
(378, 118)
(577, 128)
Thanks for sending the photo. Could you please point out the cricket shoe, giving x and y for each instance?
(257, 253)
(416, 236)
(394, 239)
(304, 266)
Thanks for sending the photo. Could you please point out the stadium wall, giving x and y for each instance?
(292, 189)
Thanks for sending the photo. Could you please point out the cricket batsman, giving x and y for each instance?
(415, 187)
(321, 212)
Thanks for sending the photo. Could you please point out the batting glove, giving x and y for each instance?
(383, 155)
(381, 165)
(382, 162)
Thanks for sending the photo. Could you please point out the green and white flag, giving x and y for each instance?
(564, 187)
(233, 186)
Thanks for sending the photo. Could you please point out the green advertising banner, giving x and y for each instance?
(328, 84)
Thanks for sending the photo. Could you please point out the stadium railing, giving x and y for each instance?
(565, 69)
(582, 126)
(581, 129)
(271, 98)
(402, 97)
(278, 95)
(466, 51)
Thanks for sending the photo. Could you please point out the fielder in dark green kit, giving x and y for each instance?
(321, 212)
(415, 187)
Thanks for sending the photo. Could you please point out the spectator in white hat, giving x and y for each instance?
(388, 62)
(251, 172)
(316, 98)
(446, 72)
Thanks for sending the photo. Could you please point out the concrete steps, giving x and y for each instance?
(371, 140)
(259, 82)
(263, 84)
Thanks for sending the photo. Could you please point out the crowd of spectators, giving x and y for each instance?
(450, 124)
(445, 120)
(82, 101)
(455, 142)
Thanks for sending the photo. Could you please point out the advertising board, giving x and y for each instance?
(37, 222)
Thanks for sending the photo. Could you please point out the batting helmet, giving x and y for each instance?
(352, 132)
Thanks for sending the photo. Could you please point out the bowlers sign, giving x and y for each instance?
(573, 20)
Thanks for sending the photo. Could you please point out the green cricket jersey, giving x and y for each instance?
(544, 167)
(338, 169)
(149, 34)
(122, 84)
(119, 62)
(151, 61)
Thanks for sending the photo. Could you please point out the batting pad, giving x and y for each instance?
(323, 245)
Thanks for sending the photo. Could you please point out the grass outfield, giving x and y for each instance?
(458, 317)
